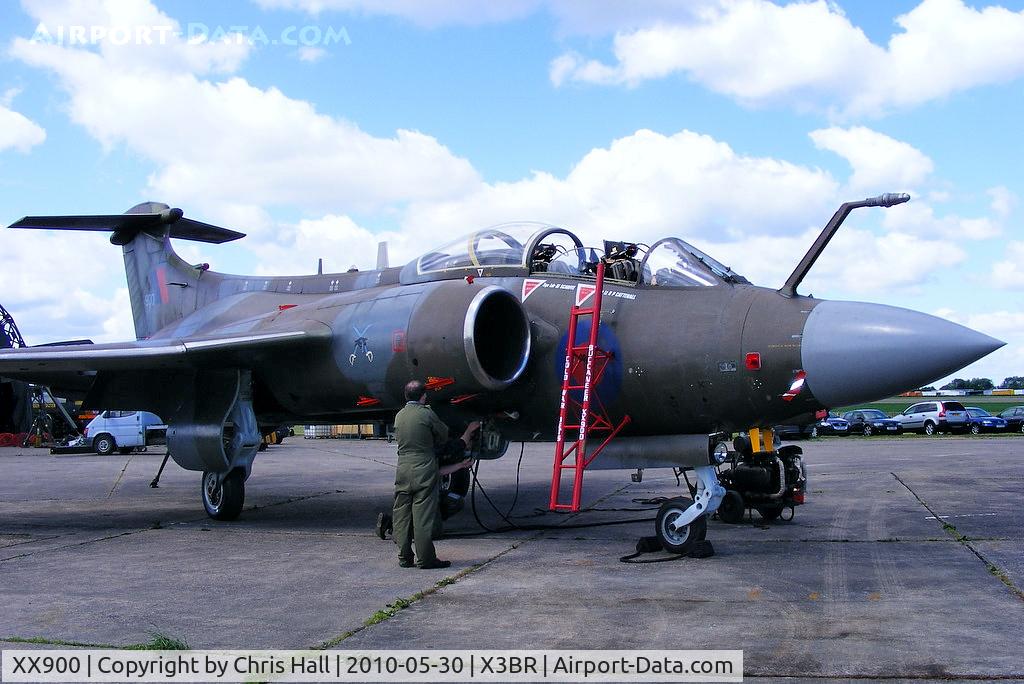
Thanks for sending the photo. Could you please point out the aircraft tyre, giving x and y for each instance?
(770, 513)
(104, 445)
(454, 488)
(223, 501)
(732, 508)
(681, 540)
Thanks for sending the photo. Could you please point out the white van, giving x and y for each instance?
(124, 430)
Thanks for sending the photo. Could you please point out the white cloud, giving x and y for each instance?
(132, 36)
(65, 305)
(338, 240)
(588, 17)
(1003, 201)
(856, 263)
(650, 185)
(919, 218)
(218, 143)
(18, 132)
(428, 13)
(1008, 273)
(880, 163)
(810, 54)
(311, 54)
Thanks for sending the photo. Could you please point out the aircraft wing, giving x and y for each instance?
(194, 352)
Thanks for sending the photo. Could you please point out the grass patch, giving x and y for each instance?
(54, 642)
(161, 642)
(157, 642)
(391, 609)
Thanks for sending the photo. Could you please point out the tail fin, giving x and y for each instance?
(163, 287)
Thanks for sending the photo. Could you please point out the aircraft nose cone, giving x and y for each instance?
(854, 352)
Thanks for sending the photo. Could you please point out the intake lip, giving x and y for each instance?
(854, 352)
(497, 338)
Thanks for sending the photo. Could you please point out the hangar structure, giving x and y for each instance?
(15, 403)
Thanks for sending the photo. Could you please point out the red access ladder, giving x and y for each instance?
(579, 419)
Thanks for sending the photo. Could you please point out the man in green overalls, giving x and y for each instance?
(416, 514)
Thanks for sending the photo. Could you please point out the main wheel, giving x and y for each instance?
(104, 445)
(770, 513)
(867, 430)
(679, 540)
(732, 508)
(929, 428)
(456, 484)
(223, 500)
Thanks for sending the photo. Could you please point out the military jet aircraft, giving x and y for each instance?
(696, 352)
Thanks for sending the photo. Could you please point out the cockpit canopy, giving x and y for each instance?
(527, 248)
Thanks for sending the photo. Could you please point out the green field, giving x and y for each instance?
(894, 405)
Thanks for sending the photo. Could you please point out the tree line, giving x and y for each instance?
(1012, 382)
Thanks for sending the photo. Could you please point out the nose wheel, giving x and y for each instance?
(675, 537)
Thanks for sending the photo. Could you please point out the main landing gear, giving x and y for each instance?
(223, 495)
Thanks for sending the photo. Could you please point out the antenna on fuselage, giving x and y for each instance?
(382, 255)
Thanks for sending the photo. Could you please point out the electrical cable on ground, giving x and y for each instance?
(644, 545)
(511, 526)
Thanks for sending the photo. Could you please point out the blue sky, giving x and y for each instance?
(739, 125)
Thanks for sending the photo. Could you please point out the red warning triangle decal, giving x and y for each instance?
(583, 293)
(529, 285)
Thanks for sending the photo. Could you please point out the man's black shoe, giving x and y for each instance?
(405, 563)
(383, 526)
(435, 565)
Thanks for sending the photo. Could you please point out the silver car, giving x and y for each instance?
(929, 417)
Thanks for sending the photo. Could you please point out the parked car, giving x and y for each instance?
(832, 424)
(981, 420)
(870, 421)
(1014, 417)
(929, 417)
(791, 432)
(123, 430)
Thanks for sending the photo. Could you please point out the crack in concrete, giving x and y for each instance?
(120, 475)
(71, 546)
(156, 525)
(992, 568)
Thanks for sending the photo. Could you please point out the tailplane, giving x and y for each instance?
(163, 287)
